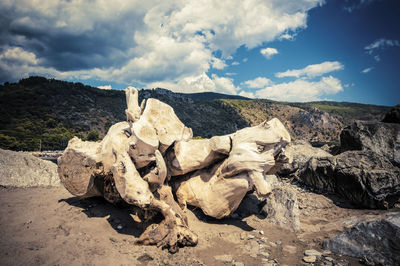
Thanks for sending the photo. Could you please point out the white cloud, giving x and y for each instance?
(380, 44)
(247, 94)
(312, 71)
(105, 87)
(201, 83)
(235, 63)
(301, 90)
(352, 5)
(230, 74)
(170, 42)
(218, 63)
(365, 71)
(257, 83)
(268, 52)
(245, 59)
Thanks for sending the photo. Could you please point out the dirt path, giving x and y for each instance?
(48, 226)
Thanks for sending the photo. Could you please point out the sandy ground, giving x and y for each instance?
(49, 226)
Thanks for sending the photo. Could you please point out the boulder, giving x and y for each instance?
(300, 151)
(381, 138)
(393, 116)
(364, 177)
(377, 242)
(18, 169)
(282, 208)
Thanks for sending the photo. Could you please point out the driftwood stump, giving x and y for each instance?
(141, 160)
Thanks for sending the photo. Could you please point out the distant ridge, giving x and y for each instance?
(39, 113)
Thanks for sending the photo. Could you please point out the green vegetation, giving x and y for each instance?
(39, 113)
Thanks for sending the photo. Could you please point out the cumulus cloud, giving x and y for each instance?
(257, 83)
(312, 71)
(301, 90)
(218, 63)
(268, 52)
(170, 42)
(200, 83)
(105, 87)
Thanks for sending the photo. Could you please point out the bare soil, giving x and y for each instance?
(49, 226)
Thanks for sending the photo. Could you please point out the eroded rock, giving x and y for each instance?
(364, 177)
(18, 169)
(377, 242)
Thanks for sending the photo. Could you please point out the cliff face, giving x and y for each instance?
(38, 113)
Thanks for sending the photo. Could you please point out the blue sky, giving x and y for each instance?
(287, 50)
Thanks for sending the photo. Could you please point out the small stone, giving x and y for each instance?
(272, 244)
(119, 227)
(278, 242)
(238, 263)
(261, 232)
(264, 254)
(224, 258)
(290, 249)
(329, 259)
(112, 239)
(312, 252)
(250, 237)
(326, 253)
(309, 259)
(235, 216)
(253, 255)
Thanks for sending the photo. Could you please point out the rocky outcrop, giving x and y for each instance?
(282, 208)
(376, 242)
(393, 116)
(364, 177)
(381, 138)
(300, 151)
(19, 169)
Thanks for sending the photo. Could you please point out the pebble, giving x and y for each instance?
(250, 237)
(272, 244)
(264, 254)
(312, 252)
(290, 249)
(261, 232)
(224, 258)
(278, 242)
(329, 259)
(235, 216)
(310, 259)
(119, 227)
(326, 253)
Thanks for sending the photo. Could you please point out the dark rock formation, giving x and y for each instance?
(364, 177)
(393, 116)
(381, 138)
(301, 151)
(376, 242)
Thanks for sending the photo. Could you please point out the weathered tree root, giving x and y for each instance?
(136, 159)
(173, 232)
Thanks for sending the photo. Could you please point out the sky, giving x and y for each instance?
(285, 50)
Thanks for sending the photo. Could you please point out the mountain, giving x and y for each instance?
(39, 113)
